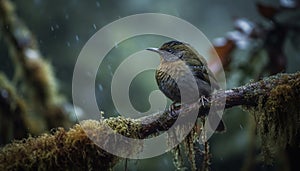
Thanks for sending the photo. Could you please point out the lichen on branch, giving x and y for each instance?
(273, 101)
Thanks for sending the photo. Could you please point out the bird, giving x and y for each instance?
(183, 68)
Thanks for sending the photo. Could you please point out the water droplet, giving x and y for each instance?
(241, 126)
(66, 16)
(100, 87)
(98, 4)
(77, 38)
(110, 71)
(95, 27)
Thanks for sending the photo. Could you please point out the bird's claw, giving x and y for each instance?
(174, 106)
(203, 99)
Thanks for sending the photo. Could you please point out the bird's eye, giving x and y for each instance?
(169, 50)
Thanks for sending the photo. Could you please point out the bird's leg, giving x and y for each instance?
(203, 99)
(174, 106)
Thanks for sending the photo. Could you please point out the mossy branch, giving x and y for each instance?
(271, 97)
(33, 72)
(251, 95)
(13, 115)
(62, 150)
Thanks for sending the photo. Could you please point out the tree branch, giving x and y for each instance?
(47, 149)
(35, 73)
(247, 95)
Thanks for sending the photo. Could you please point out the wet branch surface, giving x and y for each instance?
(247, 95)
(68, 146)
(73, 149)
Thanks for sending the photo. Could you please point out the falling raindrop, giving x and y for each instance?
(52, 28)
(56, 26)
(241, 126)
(68, 44)
(110, 71)
(66, 16)
(98, 4)
(100, 87)
(95, 27)
(77, 37)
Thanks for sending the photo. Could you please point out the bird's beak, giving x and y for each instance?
(154, 50)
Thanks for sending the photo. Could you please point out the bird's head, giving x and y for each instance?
(171, 51)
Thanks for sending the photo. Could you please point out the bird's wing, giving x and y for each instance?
(205, 74)
(199, 67)
(201, 71)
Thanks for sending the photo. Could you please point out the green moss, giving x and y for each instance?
(277, 118)
(187, 146)
(69, 150)
(124, 126)
(14, 121)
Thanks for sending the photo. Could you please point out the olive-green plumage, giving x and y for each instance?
(183, 74)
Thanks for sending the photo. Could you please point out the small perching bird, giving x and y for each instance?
(181, 69)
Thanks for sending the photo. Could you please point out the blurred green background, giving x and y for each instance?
(63, 27)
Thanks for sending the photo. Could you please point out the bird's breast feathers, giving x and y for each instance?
(178, 68)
